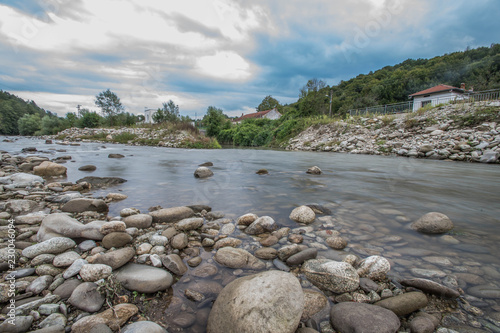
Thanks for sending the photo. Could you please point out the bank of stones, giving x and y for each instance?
(69, 278)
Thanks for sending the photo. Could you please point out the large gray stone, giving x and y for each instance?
(54, 245)
(360, 318)
(115, 259)
(50, 169)
(404, 304)
(116, 239)
(144, 278)
(139, 221)
(431, 287)
(61, 225)
(21, 324)
(95, 272)
(21, 180)
(84, 204)
(374, 267)
(303, 214)
(40, 284)
(203, 172)
(66, 289)
(489, 156)
(18, 207)
(270, 301)
(336, 276)
(433, 223)
(237, 258)
(174, 263)
(65, 259)
(261, 225)
(484, 291)
(101, 182)
(174, 214)
(86, 297)
(143, 327)
(189, 224)
(300, 257)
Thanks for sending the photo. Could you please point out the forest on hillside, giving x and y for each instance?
(478, 68)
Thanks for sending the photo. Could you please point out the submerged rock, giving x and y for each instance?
(314, 170)
(203, 172)
(404, 304)
(360, 317)
(433, 223)
(303, 214)
(101, 182)
(338, 277)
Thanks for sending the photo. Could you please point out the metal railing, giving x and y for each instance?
(472, 97)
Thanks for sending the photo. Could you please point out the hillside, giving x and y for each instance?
(12, 108)
(462, 132)
(478, 68)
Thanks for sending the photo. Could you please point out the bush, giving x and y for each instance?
(29, 124)
(124, 137)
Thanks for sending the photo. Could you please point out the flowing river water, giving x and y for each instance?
(372, 199)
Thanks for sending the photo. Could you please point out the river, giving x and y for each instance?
(371, 198)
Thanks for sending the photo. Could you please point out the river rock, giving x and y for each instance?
(338, 277)
(21, 324)
(113, 318)
(314, 170)
(255, 304)
(246, 219)
(303, 214)
(238, 258)
(287, 251)
(179, 241)
(95, 272)
(484, 291)
(32, 218)
(314, 302)
(40, 284)
(489, 156)
(143, 327)
(404, 304)
(112, 226)
(85, 204)
(431, 287)
(360, 317)
(115, 259)
(65, 259)
(21, 180)
(125, 212)
(374, 267)
(203, 172)
(158, 240)
(21, 207)
(86, 297)
(261, 225)
(88, 167)
(49, 169)
(75, 268)
(228, 241)
(116, 239)
(300, 257)
(174, 263)
(144, 278)
(266, 253)
(422, 324)
(174, 214)
(140, 221)
(336, 242)
(116, 156)
(189, 224)
(54, 245)
(205, 270)
(433, 223)
(66, 289)
(61, 225)
(47, 269)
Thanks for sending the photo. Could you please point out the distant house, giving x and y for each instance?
(148, 115)
(439, 94)
(268, 114)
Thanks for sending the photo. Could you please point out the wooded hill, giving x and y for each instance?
(478, 68)
(12, 108)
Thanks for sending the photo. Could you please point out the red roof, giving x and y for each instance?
(259, 114)
(436, 89)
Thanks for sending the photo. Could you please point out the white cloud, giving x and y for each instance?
(224, 65)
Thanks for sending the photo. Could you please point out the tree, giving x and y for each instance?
(109, 103)
(215, 121)
(29, 124)
(89, 119)
(313, 85)
(269, 103)
(71, 119)
(168, 113)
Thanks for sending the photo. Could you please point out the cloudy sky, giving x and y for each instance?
(225, 53)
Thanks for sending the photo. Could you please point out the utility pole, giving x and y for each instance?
(78, 108)
(331, 97)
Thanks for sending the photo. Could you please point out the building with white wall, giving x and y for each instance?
(439, 94)
(148, 115)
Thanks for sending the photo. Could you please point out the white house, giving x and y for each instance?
(148, 115)
(269, 114)
(439, 94)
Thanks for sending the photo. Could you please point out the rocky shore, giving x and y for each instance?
(67, 265)
(461, 132)
(161, 137)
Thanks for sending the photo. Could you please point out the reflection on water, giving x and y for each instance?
(373, 199)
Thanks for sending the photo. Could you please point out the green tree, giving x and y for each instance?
(29, 124)
(269, 103)
(71, 119)
(313, 85)
(215, 121)
(109, 103)
(89, 119)
(168, 113)
(8, 119)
